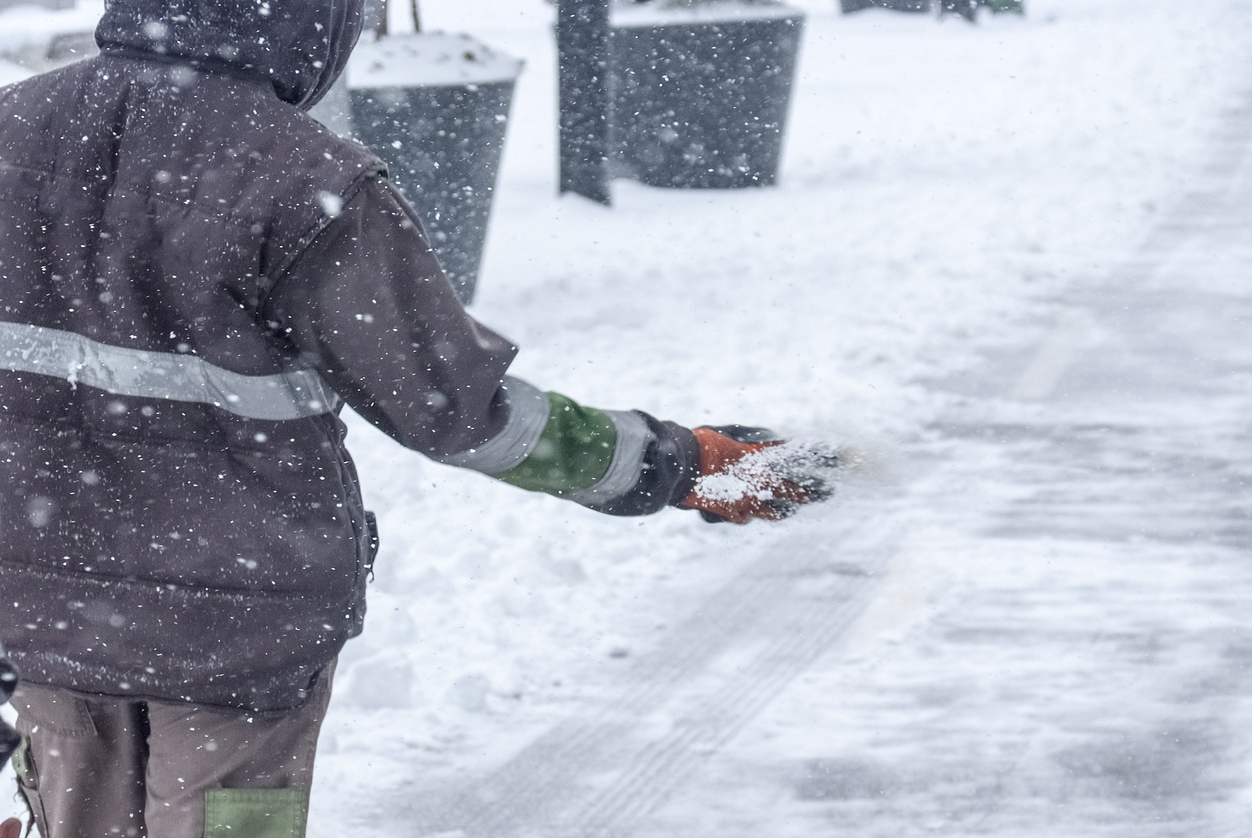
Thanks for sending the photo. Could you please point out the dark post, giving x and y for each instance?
(582, 37)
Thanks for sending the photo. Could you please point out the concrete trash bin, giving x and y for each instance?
(699, 96)
(435, 106)
(688, 94)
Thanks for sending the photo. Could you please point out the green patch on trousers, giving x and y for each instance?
(255, 813)
(24, 765)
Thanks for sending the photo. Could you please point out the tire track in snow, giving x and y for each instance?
(602, 773)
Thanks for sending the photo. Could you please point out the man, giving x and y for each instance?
(194, 275)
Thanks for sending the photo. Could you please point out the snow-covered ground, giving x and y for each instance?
(27, 32)
(1043, 637)
(10, 72)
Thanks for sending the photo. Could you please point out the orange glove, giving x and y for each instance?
(745, 475)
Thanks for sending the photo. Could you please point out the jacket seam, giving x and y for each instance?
(53, 176)
(109, 579)
(200, 206)
(61, 424)
(47, 173)
(324, 221)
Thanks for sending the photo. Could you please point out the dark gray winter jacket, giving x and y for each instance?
(193, 276)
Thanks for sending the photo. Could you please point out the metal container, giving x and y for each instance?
(688, 96)
(435, 108)
(702, 104)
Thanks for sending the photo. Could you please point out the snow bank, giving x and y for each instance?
(428, 59)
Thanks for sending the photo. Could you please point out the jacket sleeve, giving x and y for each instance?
(368, 306)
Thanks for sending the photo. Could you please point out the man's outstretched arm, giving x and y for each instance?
(369, 307)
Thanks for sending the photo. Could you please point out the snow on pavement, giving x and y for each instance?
(1060, 646)
(944, 188)
(10, 72)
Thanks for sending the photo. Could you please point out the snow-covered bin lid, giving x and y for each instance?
(428, 59)
(626, 15)
(10, 72)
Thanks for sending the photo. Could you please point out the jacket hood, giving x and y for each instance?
(300, 46)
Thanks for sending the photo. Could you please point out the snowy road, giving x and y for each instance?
(1076, 569)
(1054, 641)
(1081, 576)
(1026, 290)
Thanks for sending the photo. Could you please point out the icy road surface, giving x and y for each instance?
(1009, 263)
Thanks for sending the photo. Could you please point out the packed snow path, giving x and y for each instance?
(602, 772)
(1092, 681)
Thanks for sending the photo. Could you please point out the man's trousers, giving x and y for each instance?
(106, 767)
